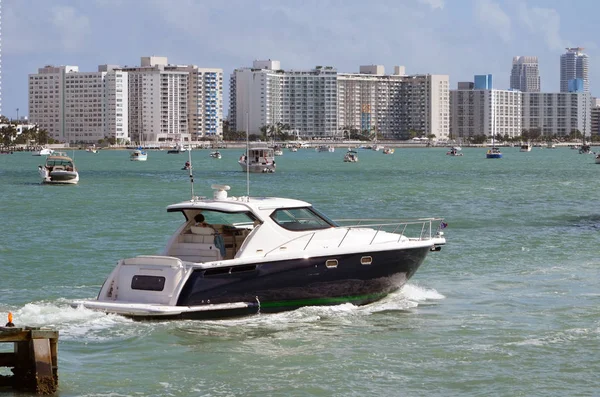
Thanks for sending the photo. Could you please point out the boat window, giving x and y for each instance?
(231, 219)
(301, 219)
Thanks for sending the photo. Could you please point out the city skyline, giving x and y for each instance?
(459, 38)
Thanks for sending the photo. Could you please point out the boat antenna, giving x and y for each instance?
(247, 156)
(191, 174)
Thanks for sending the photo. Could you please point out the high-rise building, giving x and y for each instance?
(323, 102)
(509, 112)
(557, 113)
(595, 117)
(479, 109)
(205, 100)
(158, 102)
(574, 64)
(393, 105)
(78, 106)
(525, 74)
(305, 100)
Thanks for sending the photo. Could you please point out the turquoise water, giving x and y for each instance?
(511, 305)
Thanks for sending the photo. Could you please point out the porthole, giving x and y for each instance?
(331, 263)
(366, 260)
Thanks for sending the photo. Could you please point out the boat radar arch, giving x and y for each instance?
(220, 192)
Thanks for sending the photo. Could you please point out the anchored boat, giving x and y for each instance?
(59, 169)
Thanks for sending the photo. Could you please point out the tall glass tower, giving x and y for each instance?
(574, 64)
(525, 74)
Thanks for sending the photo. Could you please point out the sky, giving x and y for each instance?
(459, 38)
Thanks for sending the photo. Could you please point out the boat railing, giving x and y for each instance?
(421, 229)
(415, 229)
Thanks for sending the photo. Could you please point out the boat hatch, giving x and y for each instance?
(366, 260)
(331, 263)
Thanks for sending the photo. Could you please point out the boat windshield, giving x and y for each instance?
(227, 219)
(301, 219)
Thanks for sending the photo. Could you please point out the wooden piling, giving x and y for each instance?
(34, 360)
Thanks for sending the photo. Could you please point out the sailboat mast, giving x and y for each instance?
(191, 175)
(247, 155)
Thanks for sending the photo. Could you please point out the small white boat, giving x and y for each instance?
(526, 147)
(325, 148)
(234, 256)
(259, 159)
(138, 154)
(216, 155)
(375, 147)
(388, 150)
(45, 151)
(293, 149)
(91, 149)
(59, 169)
(454, 151)
(598, 159)
(351, 157)
(179, 148)
(277, 151)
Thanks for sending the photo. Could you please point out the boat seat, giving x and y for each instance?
(195, 251)
(58, 168)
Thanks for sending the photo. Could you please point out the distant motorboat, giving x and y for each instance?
(138, 154)
(454, 151)
(325, 148)
(259, 158)
(59, 169)
(44, 151)
(216, 155)
(388, 150)
(526, 147)
(351, 157)
(179, 148)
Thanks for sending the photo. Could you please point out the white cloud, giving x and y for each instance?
(72, 29)
(492, 17)
(544, 22)
(433, 3)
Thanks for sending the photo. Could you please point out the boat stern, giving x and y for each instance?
(144, 280)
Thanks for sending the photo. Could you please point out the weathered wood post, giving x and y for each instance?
(34, 360)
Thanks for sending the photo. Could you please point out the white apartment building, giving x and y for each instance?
(205, 100)
(158, 102)
(322, 102)
(557, 113)
(485, 112)
(306, 100)
(394, 105)
(525, 74)
(574, 64)
(81, 107)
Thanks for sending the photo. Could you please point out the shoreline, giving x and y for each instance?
(313, 144)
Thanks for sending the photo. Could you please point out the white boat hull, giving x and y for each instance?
(257, 167)
(43, 152)
(59, 177)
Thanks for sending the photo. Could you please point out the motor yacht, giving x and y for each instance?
(59, 169)
(259, 158)
(264, 254)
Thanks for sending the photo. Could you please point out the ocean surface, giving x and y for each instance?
(509, 307)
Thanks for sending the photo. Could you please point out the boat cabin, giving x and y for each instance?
(228, 223)
(56, 163)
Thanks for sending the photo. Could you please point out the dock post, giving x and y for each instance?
(34, 360)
